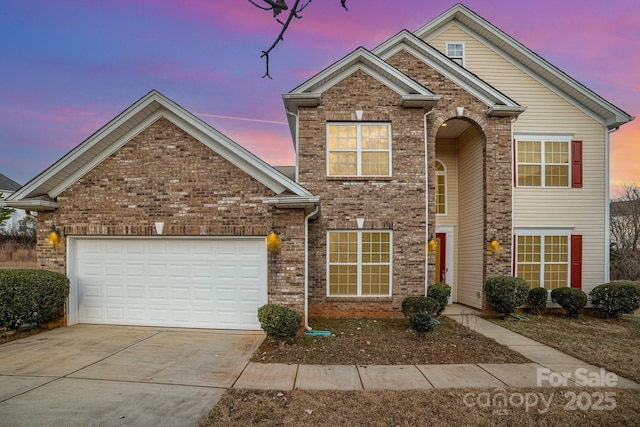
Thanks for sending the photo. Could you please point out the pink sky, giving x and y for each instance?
(70, 66)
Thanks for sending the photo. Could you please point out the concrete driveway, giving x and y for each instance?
(98, 375)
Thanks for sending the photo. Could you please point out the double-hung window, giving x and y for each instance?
(543, 260)
(455, 51)
(358, 149)
(543, 162)
(359, 263)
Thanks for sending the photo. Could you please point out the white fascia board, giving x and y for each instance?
(443, 18)
(505, 111)
(83, 147)
(436, 60)
(362, 59)
(95, 161)
(33, 204)
(309, 204)
(449, 18)
(441, 70)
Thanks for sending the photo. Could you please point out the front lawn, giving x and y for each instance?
(386, 342)
(609, 343)
(440, 407)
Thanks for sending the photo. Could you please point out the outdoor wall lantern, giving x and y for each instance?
(433, 243)
(273, 240)
(54, 236)
(494, 247)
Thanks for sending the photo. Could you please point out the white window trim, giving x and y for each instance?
(446, 199)
(359, 149)
(359, 293)
(464, 51)
(542, 138)
(542, 232)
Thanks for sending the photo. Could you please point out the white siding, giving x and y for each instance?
(470, 244)
(583, 209)
(447, 153)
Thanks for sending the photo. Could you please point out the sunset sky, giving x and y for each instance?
(67, 67)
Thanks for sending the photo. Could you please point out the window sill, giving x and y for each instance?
(359, 178)
(350, 298)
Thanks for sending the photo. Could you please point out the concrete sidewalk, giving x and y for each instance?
(549, 368)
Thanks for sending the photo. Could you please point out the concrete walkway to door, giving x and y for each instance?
(87, 375)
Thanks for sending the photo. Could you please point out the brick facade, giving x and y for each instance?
(164, 174)
(399, 202)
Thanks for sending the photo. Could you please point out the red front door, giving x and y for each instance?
(441, 257)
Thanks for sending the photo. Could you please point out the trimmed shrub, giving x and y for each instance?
(537, 300)
(413, 305)
(441, 293)
(279, 322)
(572, 300)
(506, 293)
(421, 322)
(614, 299)
(30, 296)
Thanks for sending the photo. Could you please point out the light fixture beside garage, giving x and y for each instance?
(54, 236)
(273, 240)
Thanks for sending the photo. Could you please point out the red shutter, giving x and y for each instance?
(515, 164)
(576, 261)
(576, 164)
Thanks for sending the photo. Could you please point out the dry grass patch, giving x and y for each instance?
(386, 342)
(609, 343)
(17, 253)
(443, 407)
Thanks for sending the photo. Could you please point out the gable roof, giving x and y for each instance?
(411, 93)
(7, 184)
(40, 192)
(499, 104)
(528, 61)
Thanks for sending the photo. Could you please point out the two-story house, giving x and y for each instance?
(452, 153)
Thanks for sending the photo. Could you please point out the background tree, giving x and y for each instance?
(5, 212)
(277, 7)
(625, 234)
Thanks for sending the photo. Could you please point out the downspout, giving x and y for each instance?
(426, 205)
(607, 209)
(513, 188)
(306, 267)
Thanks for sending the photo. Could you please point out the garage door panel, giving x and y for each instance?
(208, 283)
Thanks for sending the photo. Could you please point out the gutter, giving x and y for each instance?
(306, 267)
(426, 205)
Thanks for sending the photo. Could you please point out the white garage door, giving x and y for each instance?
(195, 283)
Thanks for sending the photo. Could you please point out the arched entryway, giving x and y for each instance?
(459, 204)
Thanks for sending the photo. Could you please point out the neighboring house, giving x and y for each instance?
(7, 187)
(455, 134)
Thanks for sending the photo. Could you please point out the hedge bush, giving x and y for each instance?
(506, 293)
(537, 300)
(614, 299)
(30, 296)
(421, 322)
(413, 305)
(279, 322)
(572, 300)
(441, 293)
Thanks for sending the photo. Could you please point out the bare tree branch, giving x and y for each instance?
(277, 6)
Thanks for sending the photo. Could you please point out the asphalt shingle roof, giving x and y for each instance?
(8, 184)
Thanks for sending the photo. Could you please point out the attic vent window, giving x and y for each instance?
(455, 51)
